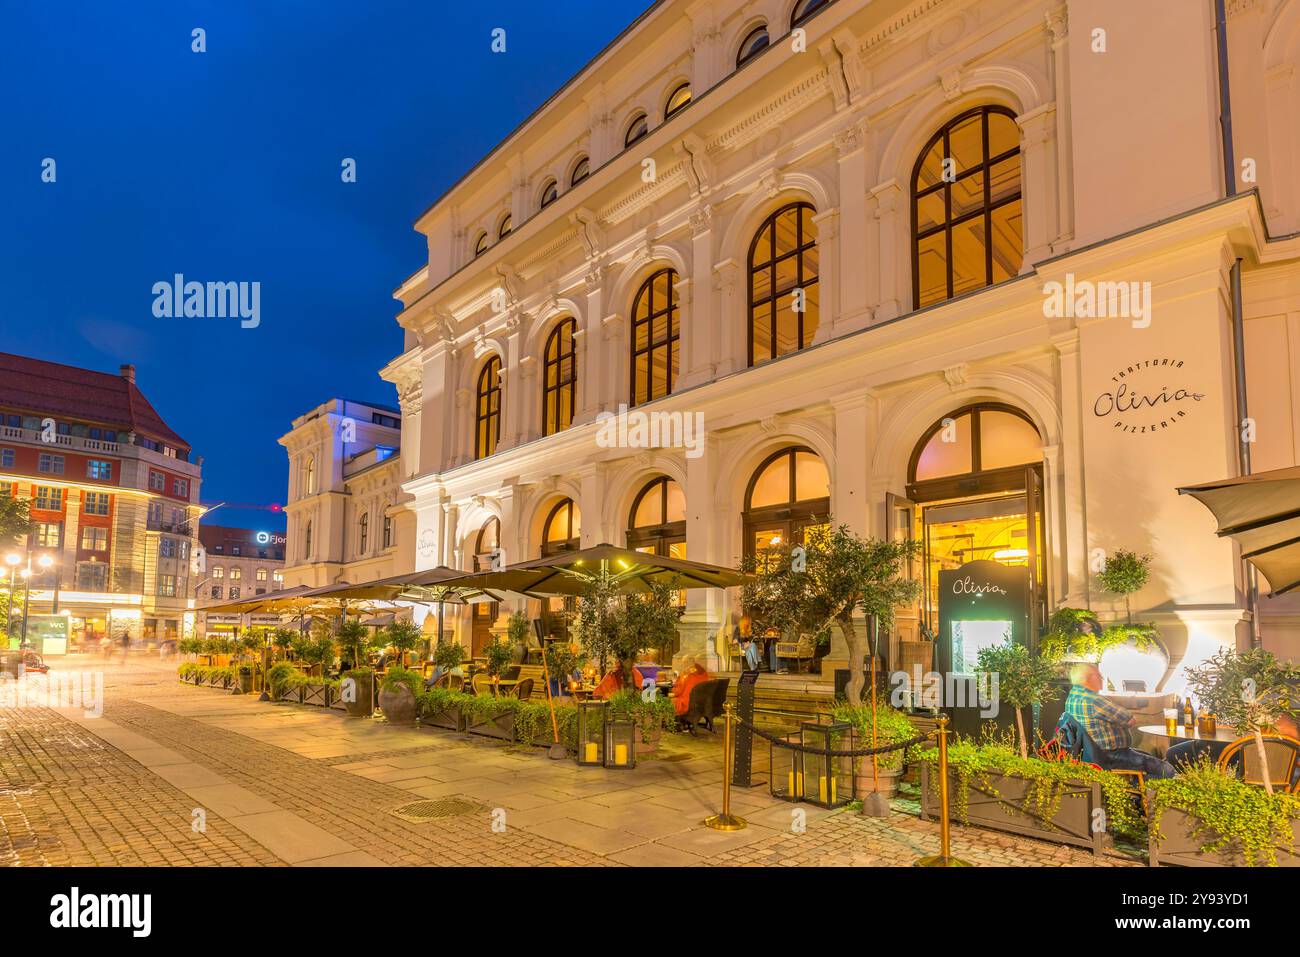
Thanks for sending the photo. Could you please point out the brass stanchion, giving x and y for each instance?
(726, 821)
(944, 858)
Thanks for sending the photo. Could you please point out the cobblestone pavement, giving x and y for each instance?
(286, 784)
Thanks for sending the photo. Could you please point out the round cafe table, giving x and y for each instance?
(1158, 731)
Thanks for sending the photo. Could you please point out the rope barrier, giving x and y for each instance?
(854, 753)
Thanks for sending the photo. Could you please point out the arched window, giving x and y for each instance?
(657, 521)
(309, 476)
(656, 324)
(581, 170)
(550, 193)
(480, 245)
(562, 530)
(966, 208)
(805, 9)
(487, 409)
(306, 542)
(755, 42)
(974, 449)
(363, 533)
(486, 544)
(638, 128)
(677, 100)
(788, 492)
(783, 291)
(504, 230)
(484, 613)
(559, 378)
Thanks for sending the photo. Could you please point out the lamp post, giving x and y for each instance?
(45, 561)
(13, 560)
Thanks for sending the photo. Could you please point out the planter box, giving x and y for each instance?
(999, 807)
(336, 703)
(317, 695)
(451, 719)
(218, 681)
(290, 694)
(1179, 847)
(501, 726)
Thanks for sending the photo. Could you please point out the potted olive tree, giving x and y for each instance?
(1024, 680)
(1249, 690)
(398, 694)
(357, 690)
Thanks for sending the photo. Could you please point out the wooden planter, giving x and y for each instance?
(500, 726)
(1178, 846)
(336, 703)
(999, 805)
(293, 694)
(218, 681)
(317, 695)
(451, 719)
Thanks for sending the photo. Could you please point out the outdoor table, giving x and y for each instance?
(1158, 730)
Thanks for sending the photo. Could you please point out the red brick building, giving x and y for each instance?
(114, 495)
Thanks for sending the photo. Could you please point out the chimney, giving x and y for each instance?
(128, 373)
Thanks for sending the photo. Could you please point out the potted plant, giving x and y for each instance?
(1024, 680)
(498, 654)
(397, 694)
(245, 685)
(491, 716)
(443, 708)
(354, 641)
(1249, 691)
(891, 727)
(651, 714)
(404, 636)
(448, 655)
(1207, 816)
(562, 663)
(357, 692)
(282, 639)
(284, 682)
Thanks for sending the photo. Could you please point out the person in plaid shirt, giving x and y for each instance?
(1109, 726)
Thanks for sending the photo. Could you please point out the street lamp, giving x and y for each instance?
(45, 561)
(13, 560)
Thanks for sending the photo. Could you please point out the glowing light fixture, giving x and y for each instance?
(1004, 554)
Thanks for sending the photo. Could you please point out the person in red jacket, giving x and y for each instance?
(613, 682)
(692, 674)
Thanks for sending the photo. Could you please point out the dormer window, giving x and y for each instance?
(550, 193)
(481, 246)
(636, 130)
(755, 42)
(805, 9)
(504, 229)
(678, 100)
(581, 170)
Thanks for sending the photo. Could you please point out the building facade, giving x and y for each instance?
(951, 270)
(235, 563)
(113, 495)
(347, 516)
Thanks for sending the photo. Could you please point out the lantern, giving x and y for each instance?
(591, 733)
(620, 743)
(828, 780)
(787, 781)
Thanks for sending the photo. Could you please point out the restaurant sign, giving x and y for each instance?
(1148, 396)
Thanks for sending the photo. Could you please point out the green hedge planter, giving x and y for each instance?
(500, 726)
(451, 719)
(292, 693)
(316, 694)
(1181, 838)
(997, 801)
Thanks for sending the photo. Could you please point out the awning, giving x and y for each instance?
(1261, 513)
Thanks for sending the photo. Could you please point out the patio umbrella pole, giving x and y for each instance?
(556, 751)
(874, 804)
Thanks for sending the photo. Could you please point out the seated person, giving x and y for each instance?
(1186, 753)
(613, 682)
(693, 673)
(748, 646)
(1109, 725)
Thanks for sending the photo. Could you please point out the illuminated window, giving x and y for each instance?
(480, 245)
(487, 409)
(783, 290)
(788, 493)
(559, 378)
(655, 332)
(966, 206)
(309, 479)
(562, 530)
(95, 503)
(363, 533)
(978, 438)
(657, 520)
(677, 100)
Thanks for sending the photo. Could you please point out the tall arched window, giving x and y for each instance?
(581, 170)
(638, 128)
(677, 100)
(755, 42)
(309, 476)
(805, 9)
(484, 613)
(972, 450)
(966, 208)
(783, 290)
(656, 329)
(363, 533)
(562, 530)
(550, 193)
(559, 378)
(788, 492)
(657, 521)
(306, 542)
(487, 409)
(486, 544)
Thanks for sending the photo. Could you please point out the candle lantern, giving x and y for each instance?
(591, 733)
(828, 780)
(787, 780)
(620, 743)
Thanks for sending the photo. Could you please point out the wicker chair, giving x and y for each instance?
(801, 650)
(450, 682)
(523, 691)
(1242, 757)
(481, 684)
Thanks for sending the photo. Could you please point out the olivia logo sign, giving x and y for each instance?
(967, 586)
(1146, 397)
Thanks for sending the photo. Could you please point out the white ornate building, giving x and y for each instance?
(832, 229)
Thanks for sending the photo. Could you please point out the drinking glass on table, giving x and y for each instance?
(1171, 721)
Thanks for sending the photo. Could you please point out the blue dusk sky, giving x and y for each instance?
(225, 166)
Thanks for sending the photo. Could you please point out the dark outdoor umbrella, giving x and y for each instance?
(1261, 513)
(567, 573)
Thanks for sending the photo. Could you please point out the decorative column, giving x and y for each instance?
(699, 321)
(705, 607)
(853, 313)
(1071, 485)
(828, 245)
(1038, 187)
(592, 396)
(1058, 28)
(731, 336)
(613, 384)
(890, 240)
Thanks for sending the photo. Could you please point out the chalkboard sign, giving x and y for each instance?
(743, 761)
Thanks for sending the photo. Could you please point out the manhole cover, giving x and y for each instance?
(432, 810)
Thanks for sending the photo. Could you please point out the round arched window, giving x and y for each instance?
(562, 530)
(788, 492)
